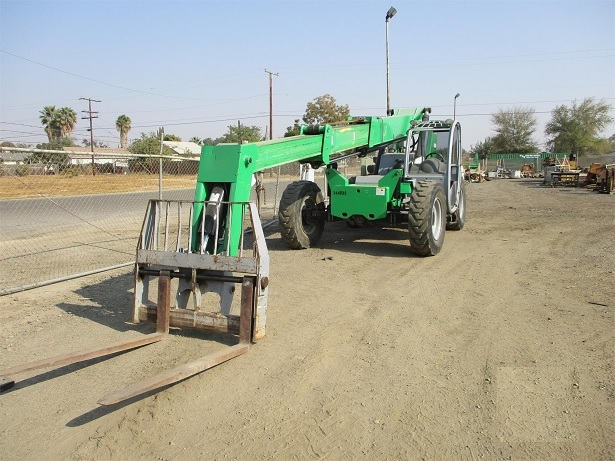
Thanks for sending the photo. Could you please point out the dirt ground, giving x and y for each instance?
(12, 187)
(501, 347)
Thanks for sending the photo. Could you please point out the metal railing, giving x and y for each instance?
(172, 242)
(178, 226)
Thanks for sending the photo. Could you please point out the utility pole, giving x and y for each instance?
(91, 116)
(260, 189)
(271, 74)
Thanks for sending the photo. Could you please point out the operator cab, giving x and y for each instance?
(431, 150)
(428, 148)
(434, 149)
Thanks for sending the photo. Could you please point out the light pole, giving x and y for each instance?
(390, 14)
(455, 105)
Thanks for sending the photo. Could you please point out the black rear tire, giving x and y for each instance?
(427, 218)
(459, 215)
(298, 229)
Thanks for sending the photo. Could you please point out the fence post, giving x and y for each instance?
(161, 134)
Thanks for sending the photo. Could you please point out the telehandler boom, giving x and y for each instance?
(403, 141)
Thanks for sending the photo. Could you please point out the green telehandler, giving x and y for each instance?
(417, 177)
(202, 250)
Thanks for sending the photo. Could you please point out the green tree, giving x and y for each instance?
(67, 119)
(323, 109)
(602, 146)
(148, 144)
(293, 130)
(575, 129)
(123, 125)
(172, 137)
(5, 144)
(196, 140)
(58, 123)
(49, 119)
(241, 133)
(483, 148)
(514, 129)
(10, 144)
(86, 142)
(47, 157)
(56, 144)
(51, 157)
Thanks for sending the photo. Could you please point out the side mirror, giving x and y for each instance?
(454, 171)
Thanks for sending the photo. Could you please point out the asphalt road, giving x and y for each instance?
(26, 217)
(21, 218)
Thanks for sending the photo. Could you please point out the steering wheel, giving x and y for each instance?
(415, 141)
(437, 155)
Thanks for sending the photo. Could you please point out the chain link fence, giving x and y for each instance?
(65, 217)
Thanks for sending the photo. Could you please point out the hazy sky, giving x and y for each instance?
(195, 67)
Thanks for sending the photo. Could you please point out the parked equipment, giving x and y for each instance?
(592, 173)
(527, 170)
(560, 172)
(216, 242)
(600, 177)
(473, 169)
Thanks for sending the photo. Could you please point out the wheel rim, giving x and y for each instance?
(308, 224)
(436, 219)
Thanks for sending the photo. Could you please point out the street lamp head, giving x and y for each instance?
(455, 105)
(391, 13)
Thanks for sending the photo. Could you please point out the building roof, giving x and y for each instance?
(184, 147)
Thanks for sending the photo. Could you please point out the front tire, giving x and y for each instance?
(427, 218)
(298, 228)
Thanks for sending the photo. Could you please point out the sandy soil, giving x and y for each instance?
(29, 186)
(500, 347)
(12, 187)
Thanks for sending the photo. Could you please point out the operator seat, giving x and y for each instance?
(432, 165)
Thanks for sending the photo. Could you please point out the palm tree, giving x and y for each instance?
(67, 119)
(49, 119)
(196, 140)
(123, 126)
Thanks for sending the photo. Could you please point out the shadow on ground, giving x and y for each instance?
(112, 299)
(375, 239)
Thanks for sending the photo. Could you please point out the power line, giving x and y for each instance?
(88, 78)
